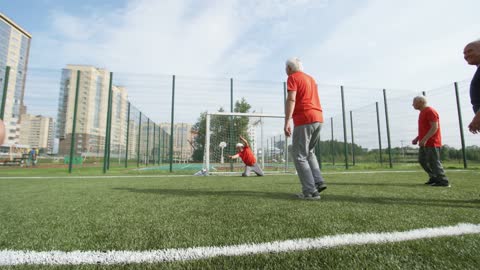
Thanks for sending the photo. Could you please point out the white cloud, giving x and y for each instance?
(412, 44)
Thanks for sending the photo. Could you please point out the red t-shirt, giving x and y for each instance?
(426, 116)
(247, 156)
(307, 103)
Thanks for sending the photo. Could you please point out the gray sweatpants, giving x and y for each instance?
(429, 159)
(255, 168)
(304, 139)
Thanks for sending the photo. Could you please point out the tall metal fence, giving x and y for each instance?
(150, 122)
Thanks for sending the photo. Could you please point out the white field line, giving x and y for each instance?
(186, 175)
(12, 257)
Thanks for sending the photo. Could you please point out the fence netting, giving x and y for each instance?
(76, 119)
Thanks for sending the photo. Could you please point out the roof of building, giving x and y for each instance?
(12, 23)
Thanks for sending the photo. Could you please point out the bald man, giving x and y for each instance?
(430, 141)
(471, 54)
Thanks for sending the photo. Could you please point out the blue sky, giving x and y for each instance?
(411, 44)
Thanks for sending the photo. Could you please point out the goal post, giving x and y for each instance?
(264, 132)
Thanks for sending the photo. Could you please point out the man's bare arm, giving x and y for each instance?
(289, 107)
(474, 126)
(245, 142)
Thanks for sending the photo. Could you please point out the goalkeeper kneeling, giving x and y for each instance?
(245, 153)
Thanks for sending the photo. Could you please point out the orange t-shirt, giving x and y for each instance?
(426, 116)
(307, 103)
(247, 156)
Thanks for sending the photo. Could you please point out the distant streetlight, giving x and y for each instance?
(222, 145)
(403, 150)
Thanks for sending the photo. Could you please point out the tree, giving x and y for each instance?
(221, 127)
(199, 129)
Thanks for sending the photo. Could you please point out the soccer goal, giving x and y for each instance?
(264, 132)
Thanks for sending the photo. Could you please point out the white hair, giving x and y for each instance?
(423, 99)
(239, 145)
(295, 64)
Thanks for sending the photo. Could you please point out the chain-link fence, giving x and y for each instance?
(87, 118)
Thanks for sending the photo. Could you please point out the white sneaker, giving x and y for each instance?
(315, 196)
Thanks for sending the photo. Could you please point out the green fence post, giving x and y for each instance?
(154, 150)
(128, 135)
(345, 143)
(172, 123)
(379, 134)
(460, 122)
(74, 124)
(139, 137)
(388, 128)
(148, 141)
(159, 144)
(164, 145)
(108, 127)
(5, 91)
(332, 143)
(353, 138)
(110, 104)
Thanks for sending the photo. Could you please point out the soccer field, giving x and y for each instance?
(174, 214)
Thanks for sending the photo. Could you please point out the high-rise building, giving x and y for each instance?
(91, 121)
(14, 50)
(182, 140)
(38, 132)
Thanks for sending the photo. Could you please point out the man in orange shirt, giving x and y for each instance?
(430, 140)
(245, 153)
(303, 107)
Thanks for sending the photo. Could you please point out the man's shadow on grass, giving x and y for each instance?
(382, 200)
(217, 193)
(326, 197)
(391, 184)
(386, 184)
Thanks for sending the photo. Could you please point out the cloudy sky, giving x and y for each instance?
(369, 43)
(409, 44)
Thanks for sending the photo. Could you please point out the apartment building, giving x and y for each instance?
(91, 117)
(182, 140)
(14, 52)
(38, 131)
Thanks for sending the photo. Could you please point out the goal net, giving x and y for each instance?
(263, 132)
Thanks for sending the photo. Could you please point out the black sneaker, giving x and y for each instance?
(430, 181)
(321, 187)
(440, 184)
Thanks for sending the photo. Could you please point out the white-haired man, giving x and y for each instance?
(304, 108)
(471, 53)
(245, 153)
(430, 140)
